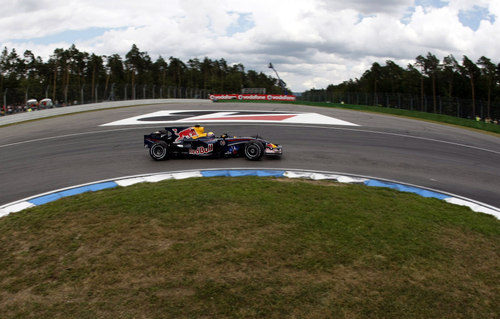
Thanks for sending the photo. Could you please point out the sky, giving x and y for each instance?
(311, 43)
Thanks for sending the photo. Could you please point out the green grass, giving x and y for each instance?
(249, 248)
(472, 124)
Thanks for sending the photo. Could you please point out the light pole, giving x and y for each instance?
(280, 81)
(5, 100)
(81, 94)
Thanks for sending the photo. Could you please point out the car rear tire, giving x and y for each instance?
(254, 151)
(159, 151)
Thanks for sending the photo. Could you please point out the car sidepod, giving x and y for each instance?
(202, 147)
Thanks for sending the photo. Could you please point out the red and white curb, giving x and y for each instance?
(44, 198)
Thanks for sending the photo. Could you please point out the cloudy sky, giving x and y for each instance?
(312, 43)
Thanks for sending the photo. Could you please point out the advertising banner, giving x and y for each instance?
(252, 97)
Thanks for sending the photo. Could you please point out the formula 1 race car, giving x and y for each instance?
(193, 141)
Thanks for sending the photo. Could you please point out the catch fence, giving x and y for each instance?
(444, 105)
(14, 99)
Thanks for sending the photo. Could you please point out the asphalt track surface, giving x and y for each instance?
(49, 154)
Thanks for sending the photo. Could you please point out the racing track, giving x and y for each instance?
(53, 153)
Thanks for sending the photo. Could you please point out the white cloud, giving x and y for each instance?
(367, 7)
(311, 42)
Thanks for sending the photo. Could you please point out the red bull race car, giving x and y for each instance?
(193, 141)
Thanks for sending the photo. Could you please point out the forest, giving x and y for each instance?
(428, 82)
(69, 74)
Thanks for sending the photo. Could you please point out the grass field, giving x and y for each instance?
(478, 125)
(249, 247)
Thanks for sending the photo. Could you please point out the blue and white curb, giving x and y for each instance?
(41, 199)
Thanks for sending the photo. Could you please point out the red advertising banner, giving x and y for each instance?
(252, 97)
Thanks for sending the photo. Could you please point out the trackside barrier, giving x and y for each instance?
(28, 116)
(41, 199)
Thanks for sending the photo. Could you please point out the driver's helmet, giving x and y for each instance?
(210, 134)
(200, 130)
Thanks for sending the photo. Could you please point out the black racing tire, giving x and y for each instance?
(159, 151)
(254, 151)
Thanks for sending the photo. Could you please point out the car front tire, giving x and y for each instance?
(254, 151)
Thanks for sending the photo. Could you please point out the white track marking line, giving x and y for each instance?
(75, 134)
(262, 124)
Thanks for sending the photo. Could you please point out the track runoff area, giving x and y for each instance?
(206, 117)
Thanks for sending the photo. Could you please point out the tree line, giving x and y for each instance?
(74, 68)
(430, 76)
